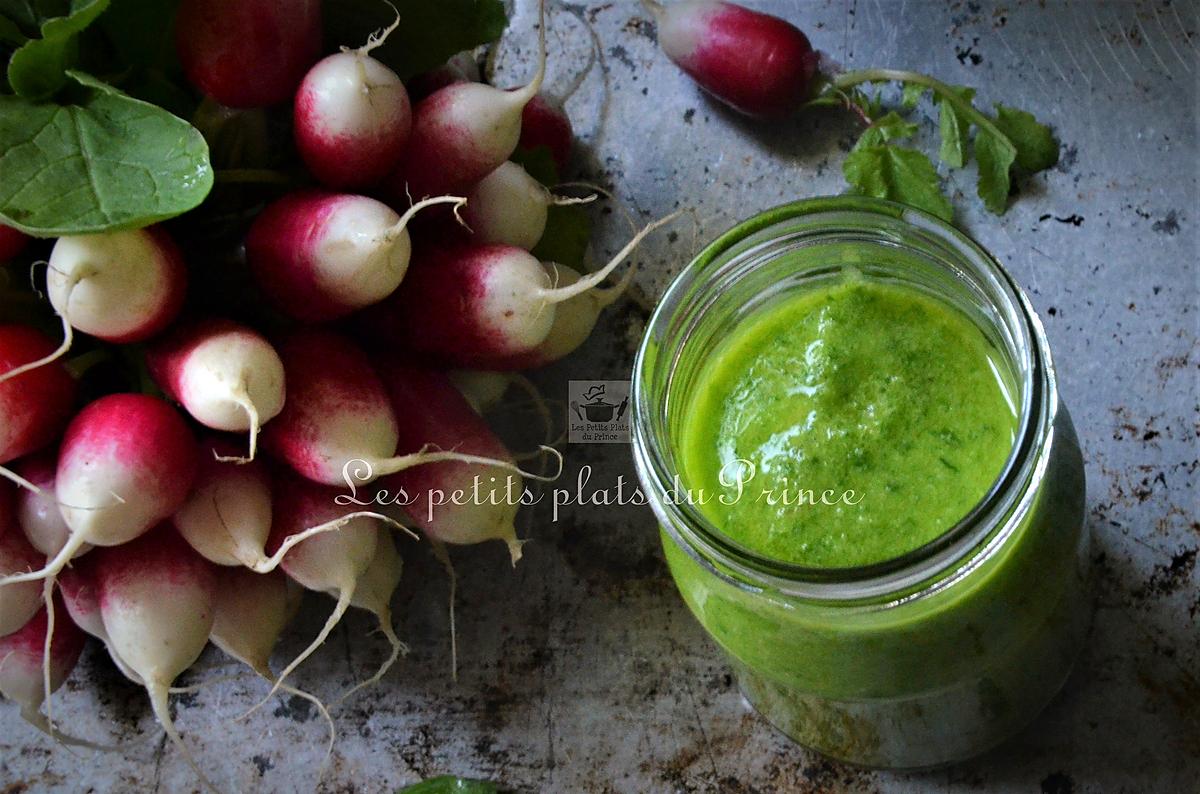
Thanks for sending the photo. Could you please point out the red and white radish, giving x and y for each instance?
(250, 613)
(248, 53)
(756, 63)
(157, 600)
(22, 677)
(479, 306)
(37, 511)
(338, 427)
(544, 122)
(434, 411)
(35, 397)
(463, 132)
(352, 118)
(81, 596)
(12, 242)
(127, 461)
(509, 207)
(119, 286)
(227, 516)
(319, 256)
(19, 601)
(226, 375)
(374, 594)
(331, 562)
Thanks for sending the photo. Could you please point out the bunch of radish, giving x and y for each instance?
(242, 465)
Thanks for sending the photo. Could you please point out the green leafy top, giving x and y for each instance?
(447, 784)
(1008, 142)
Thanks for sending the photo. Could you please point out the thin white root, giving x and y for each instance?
(522, 96)
(268, 564)
(74, 542)
(39, 721)
(422, 457)
(398, 647)
(586, 283)
(47, 690)
(625, 213)
(567, 201)
(12, 476)
(162, 710)
(241, 395)
(443, 556)
(343, 603)
(265, 673)
(377, 38)
(59, 352)
(458, 201)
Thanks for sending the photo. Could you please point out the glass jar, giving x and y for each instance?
(916, 661)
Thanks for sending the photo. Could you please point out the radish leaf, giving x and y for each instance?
(1036, 147)
(995, 155)
(107, 162)
(39, 68)
(897, 173)
(954, 126)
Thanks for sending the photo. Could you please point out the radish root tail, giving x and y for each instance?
(268, 564)
(162, 710)
(59, 352)
(398, 647)
(241, 395)
(443, 556)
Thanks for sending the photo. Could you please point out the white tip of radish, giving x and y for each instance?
(508, 207)
(374, 594)
(119, 286)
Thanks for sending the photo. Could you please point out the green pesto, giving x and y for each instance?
(859, 386)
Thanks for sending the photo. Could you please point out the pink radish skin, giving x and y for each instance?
(463, 132)
(127, 461)
(34, 405)
(122, 287)
(331, 562)
(227, 516)
(226, 375)
(319, 256)
(81, 597)
(337, 424)
(38, 511)
(374, 594)
(22, 677)
(545, 123)
(435, 412)
(758, 64)
(352, 119)
(12, 242)
(157, 600)
(18, 602)
(251, 611)
(477, 307)
(248, 53)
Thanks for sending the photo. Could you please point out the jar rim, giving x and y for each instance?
(951, 547)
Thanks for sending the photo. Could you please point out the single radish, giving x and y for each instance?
(478, 306)
(463, 132)
(374, 594)
(35, 403)
(459, 68)
(22, 678)
(435, 412)
(544, 122)
(157, 600)
(509, 207)
(756, 63)
(119, 286)
(352, 118)
(20, 601)
(226, 375)
(227, 516)
(127, 461)
(250, 613)
(338, 427)
(37, 511)
(12, 242)
(81, 596)
(331, 563)
(573, 321)
(319, 256)
(248, 53)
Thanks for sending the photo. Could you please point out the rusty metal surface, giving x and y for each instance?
(581, 670)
